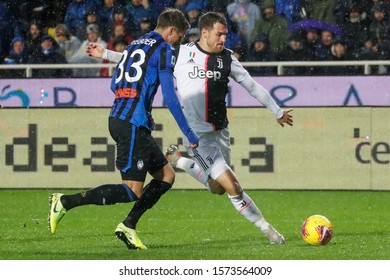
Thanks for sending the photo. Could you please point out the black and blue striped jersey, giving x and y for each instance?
(137, 77)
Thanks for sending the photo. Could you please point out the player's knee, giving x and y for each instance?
(169, 177)
(172, 179)
(166, 174)
(216, 188)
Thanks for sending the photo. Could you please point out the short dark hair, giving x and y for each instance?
(207, 20)
(173, 17)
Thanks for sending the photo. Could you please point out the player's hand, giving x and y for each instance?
(95, 50)
(286, 118)
(194, 146)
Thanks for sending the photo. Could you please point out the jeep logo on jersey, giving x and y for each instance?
(200, 73)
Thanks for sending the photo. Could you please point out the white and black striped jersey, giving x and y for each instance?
(204, 98)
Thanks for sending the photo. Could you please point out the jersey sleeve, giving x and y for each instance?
(167, 60)
(112, 56)
(169, 94)
(241, 76)
(238, 72)
(262, 95)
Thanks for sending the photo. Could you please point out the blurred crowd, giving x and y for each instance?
(57, 32)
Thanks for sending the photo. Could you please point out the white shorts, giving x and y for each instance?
(213, 152)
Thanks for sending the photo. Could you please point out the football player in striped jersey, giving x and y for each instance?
(202, 73)
(145, 64)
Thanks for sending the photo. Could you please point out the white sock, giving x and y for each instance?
(246, 207)
(193, 169)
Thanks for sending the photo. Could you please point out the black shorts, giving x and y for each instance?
(137, 151)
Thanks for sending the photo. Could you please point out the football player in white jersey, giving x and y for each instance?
(202, 72)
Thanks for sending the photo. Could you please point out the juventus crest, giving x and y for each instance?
(220, 62)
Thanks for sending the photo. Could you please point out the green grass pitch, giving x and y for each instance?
(196, 225)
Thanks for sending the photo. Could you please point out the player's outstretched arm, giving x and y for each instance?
(263, 96)
(174, 106)
(98, 51)
(286, 118)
